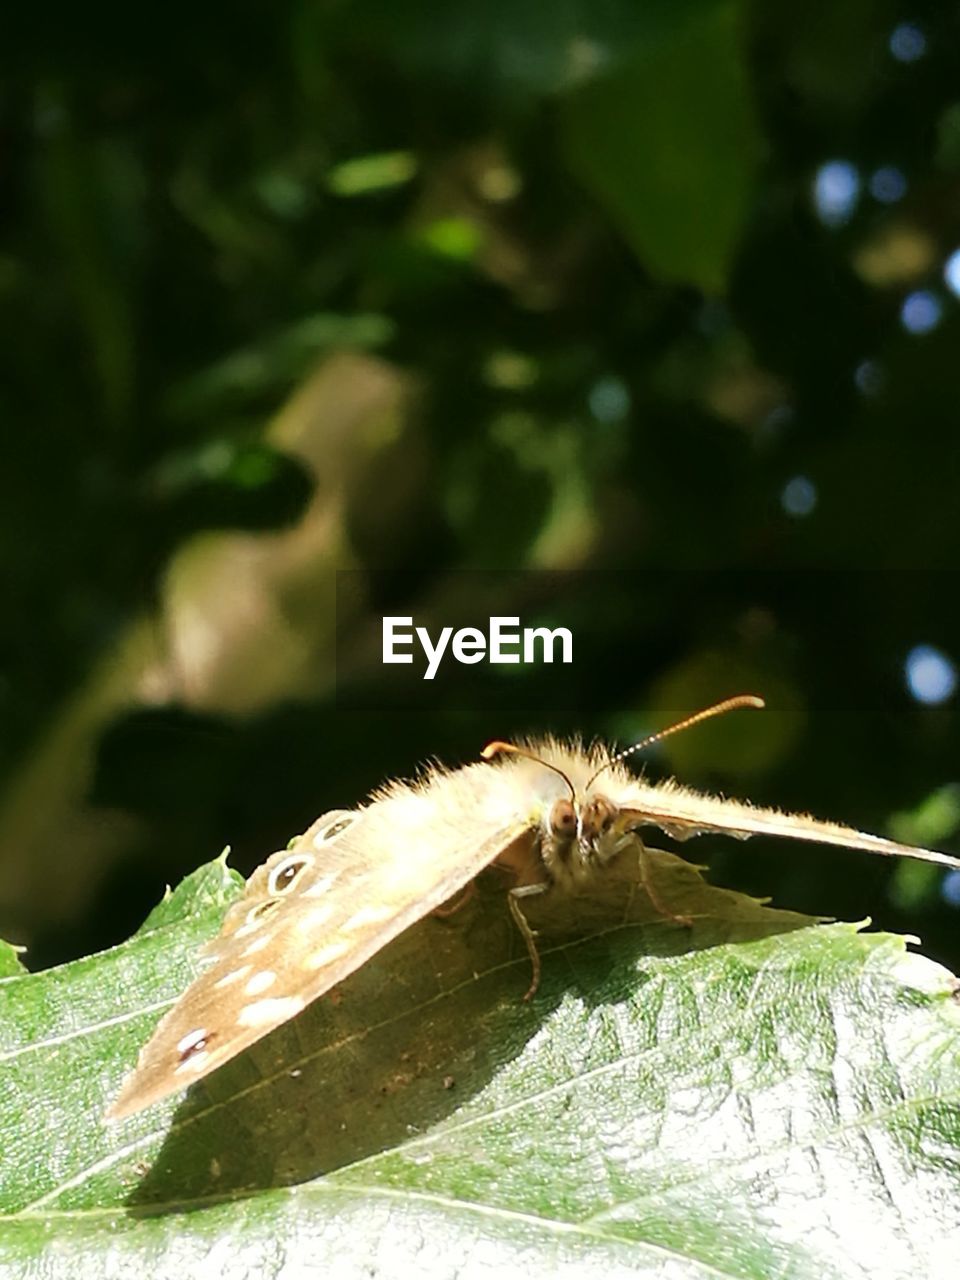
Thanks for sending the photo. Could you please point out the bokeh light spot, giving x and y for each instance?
(799, 496)
(888, 184)
(950, 889)
(921, 311)
(869, 378)
(836, 190)
(907, 42)
(951, 273)
(931, 675)
(609, 399)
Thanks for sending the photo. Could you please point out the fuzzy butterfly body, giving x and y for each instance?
(553, 814)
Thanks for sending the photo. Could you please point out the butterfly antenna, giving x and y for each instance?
(508, 748)
(718, 709)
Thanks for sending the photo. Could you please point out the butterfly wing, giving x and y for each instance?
(314, 913)
(682, 813)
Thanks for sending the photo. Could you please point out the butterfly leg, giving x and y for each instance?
(451, 908)
(646, 879)
(520, 920)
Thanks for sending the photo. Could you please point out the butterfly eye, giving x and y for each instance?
(563, 818)
(285, 874)
(598, 817)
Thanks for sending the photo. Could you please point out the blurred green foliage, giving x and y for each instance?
(296, 287)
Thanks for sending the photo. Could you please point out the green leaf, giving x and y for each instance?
(749, 1096)
(11, 965)
(669, 144)
(201, 898)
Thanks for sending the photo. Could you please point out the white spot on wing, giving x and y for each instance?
(316, 917)
(260, 982)
(372, 914)
(320, 888)
(326, 955)
(256, 945)
(270, 1012)
(193, 1063)
(233, 976)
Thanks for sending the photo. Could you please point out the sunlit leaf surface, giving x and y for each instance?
(756, 1096)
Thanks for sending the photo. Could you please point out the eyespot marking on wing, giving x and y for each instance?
(286, 873)
(193, 1042)
(335, 828)
(270, 1011)
(257, 913)
(192, 1050)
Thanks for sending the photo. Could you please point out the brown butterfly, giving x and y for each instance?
(553, 814)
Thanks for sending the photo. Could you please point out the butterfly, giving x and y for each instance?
(553, 814)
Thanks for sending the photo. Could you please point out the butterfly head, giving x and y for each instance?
(585, 829)
(581, 834)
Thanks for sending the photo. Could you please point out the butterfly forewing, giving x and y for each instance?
(683, 813)
(310, 916)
